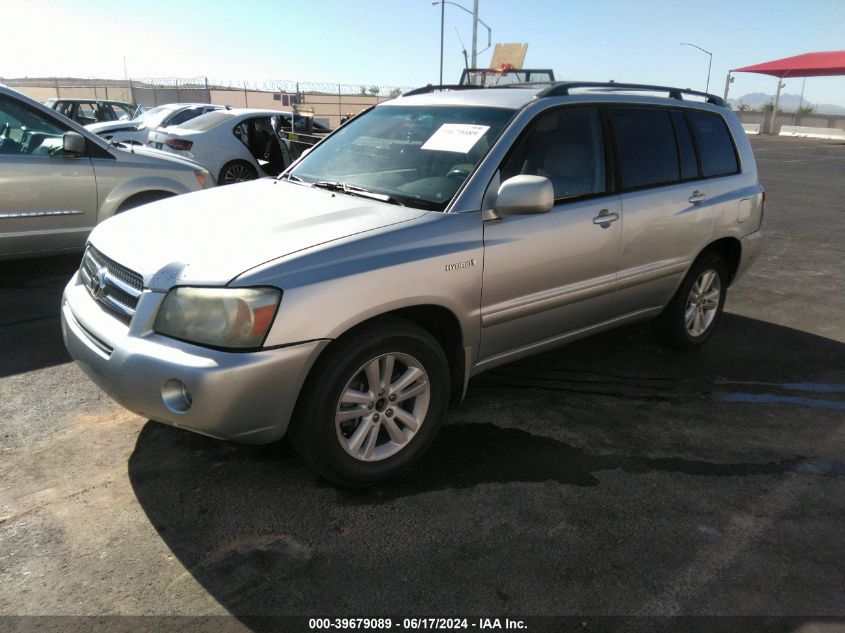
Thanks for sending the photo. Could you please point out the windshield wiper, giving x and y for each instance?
(291, 177)
(352, 190)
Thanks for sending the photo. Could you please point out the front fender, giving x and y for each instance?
(128, 188)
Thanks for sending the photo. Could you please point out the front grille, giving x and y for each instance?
(112, 285)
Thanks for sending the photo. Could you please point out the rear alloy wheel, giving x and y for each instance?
(694, 312)
(373, 403)
(703, 303)
(237, 171)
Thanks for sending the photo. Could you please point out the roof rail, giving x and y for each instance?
(563, 88)
(431, 88)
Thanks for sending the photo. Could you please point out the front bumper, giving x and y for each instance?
(243, 396)
(752, 244)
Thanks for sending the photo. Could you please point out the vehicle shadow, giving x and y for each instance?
(30, 299)
(265, 536)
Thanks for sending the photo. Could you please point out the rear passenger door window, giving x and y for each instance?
(645, 147)
(566, 146)
(718, 156)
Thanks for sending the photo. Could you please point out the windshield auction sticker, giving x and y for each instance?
(455, 137)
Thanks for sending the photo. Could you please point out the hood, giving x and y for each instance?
(211, 237)
(112, 126)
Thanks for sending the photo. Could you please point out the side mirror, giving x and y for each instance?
(74, 143)
(525, 195)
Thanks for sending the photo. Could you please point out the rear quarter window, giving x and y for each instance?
(715, 147)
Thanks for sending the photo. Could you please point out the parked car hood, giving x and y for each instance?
(112, 126)
(211, 237)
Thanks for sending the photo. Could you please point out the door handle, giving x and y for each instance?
(605, 217)
(697, 196)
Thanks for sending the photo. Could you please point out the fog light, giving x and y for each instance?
(176, 396)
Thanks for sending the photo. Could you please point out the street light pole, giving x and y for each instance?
(709, 64)
(475, 34)
(442, 21)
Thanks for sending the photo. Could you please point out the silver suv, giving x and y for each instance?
(59, 180)
(431, 238)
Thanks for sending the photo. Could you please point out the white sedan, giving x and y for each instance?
(136, 130)
(234, 145)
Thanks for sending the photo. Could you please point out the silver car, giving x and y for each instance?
(436, 236)
(57, 180)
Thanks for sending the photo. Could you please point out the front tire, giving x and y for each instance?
(696, 309)
(373, 403)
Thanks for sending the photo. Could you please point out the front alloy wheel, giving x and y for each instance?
(382, 407)
(373, 402)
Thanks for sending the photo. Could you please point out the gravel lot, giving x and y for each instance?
(609, 477)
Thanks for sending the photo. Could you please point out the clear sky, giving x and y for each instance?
(397, 42)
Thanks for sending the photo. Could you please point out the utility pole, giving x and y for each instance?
(728, 81)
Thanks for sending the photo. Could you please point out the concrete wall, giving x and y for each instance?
(327, 107)
(789, 118)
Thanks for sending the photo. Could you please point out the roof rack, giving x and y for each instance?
(431, 88)
(563, 88)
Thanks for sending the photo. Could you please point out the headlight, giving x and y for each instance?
(218, 317)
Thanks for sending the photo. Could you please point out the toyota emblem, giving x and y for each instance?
(98, 283)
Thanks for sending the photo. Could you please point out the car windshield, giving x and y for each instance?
(417, 155)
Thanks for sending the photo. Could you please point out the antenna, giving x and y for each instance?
(466, 60)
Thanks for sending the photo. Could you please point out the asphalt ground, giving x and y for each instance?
(609, 477)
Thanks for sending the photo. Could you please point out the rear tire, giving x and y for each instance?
(373, 403)
(696, 309)
(236, 171)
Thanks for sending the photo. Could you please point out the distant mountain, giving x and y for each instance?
(788, 103)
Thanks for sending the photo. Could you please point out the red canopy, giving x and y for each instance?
(823, 64)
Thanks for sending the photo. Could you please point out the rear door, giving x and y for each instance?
(48, 200)
(666, 210)
(550, 274)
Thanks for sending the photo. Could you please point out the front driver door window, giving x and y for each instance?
(549, 274)
(48, 201)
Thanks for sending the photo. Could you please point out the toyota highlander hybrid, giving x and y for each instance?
(435, 236)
